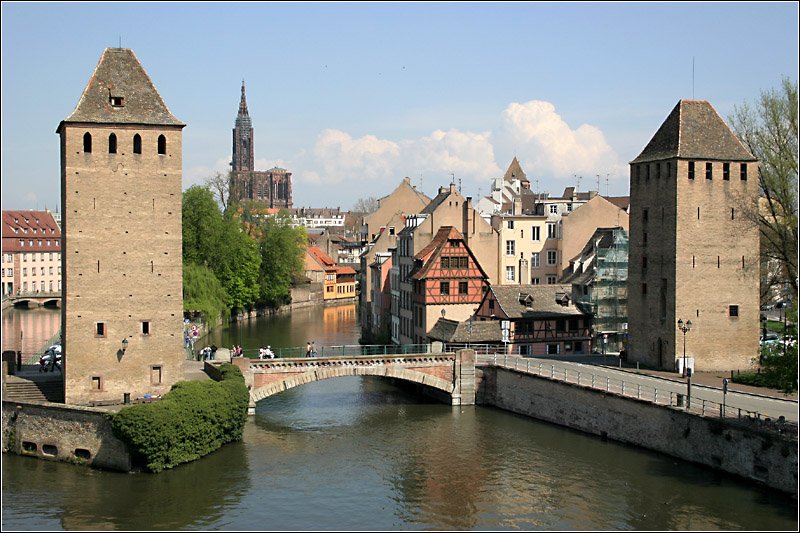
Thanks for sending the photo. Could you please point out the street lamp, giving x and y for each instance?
(684, 328)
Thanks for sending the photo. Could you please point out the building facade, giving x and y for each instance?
(273, 187)
(31, 253)
(121, 166)
(538, 319)
(693, 254)
(447, 280)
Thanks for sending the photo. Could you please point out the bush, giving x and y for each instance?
(192, 420)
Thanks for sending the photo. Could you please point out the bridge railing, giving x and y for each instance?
(633, 389)
(343, 350)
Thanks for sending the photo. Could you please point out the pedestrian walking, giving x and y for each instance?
(308, 349)
(313, 349)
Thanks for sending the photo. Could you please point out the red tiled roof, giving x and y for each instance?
(36, 226)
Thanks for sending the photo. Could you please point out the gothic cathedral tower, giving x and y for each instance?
(271, 188)
(122, 312)
(694, 251)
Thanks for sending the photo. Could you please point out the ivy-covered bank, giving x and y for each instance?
(194, 419)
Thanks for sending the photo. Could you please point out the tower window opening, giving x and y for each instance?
(112, 144)
(87, 142)
(137, 144)
(162, 145)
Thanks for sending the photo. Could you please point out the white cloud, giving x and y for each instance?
(339, 168)
(550, 149)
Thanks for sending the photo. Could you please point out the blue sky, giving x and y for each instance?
(352, 97)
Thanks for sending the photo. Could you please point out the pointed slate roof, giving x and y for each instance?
(515, 171)
(694, 130)
(119, 75)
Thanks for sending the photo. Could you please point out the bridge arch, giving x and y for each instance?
(311, 376)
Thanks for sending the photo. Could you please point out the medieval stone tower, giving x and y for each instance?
(122, 313)
(694, 251)
(273, 187)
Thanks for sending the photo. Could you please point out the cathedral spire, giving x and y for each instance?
(243, 118)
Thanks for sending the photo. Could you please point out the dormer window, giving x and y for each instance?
(117, 101)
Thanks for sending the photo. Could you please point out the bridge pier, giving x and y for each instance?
(464, 373)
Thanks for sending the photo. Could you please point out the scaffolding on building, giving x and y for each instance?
(609, 293)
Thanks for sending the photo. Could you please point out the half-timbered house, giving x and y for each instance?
(541, 319)
(447, 281)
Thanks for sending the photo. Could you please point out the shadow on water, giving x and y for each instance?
(61, 496)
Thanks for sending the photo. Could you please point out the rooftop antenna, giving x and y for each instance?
(578, 179)
(459, 185)
(607, 184)
(692, 77)
(120, 41)
(598, 183)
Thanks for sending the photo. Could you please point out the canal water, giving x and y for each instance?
(359, 453)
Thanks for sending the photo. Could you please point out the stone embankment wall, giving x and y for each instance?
(58, 432)
(765, 457)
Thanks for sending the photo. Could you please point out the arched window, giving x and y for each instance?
(112, 144)
(162, 145)
(137, 144)
(87, 142)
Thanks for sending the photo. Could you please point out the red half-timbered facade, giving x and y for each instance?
(541, 319)
(447, 281)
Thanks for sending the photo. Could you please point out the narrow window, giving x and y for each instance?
(644, 215)
(733, 310)
(718, 262)
(726, 171)
(100, 329)
(698, 212)
(145, 327)
(669, 169)
(87, 142)
(644, 288)
(510, 224)
(444, 287)
(644, 263)
(98, 266)
(709, 169)
(155, 375)
(112, 144)
(742, 261)
(97, 383)
(137, 144)
(743, 171)
(733, 213)
(462, 287)
(693, 264)
(647, 172)
(162, 145)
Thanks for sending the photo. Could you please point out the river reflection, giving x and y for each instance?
(363, 453)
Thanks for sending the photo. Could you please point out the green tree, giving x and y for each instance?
(282, 249)
(203, 293)
(769, 130)
(220, 243)
(203, 226)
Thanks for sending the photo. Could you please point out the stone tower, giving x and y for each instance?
(122, 315)
(694, 252)
(271, 188)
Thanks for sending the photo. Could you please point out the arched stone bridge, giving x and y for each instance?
(450, 373)
(32, 299)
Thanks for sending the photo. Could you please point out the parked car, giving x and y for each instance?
(770, 338)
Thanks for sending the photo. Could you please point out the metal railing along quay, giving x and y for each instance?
(634, 389)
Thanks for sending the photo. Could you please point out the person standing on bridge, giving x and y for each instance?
(313, 349)
(308, 349)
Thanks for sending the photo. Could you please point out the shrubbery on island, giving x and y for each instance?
(192, 420)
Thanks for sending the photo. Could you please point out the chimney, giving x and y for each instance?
(517, 208)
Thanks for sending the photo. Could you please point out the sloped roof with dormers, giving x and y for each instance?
(119, 75)
(534, 301)
(38, 230)
(694, 130)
